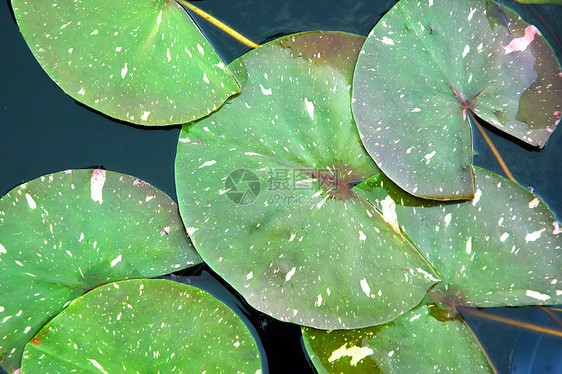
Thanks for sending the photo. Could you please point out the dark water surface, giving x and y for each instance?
(43, 131)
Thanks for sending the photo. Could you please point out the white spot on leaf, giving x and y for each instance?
(389, 212)
(97, 365)
(30, 201)
(427, 275)
(504, 237)
(207, 163)
(362, 236)
(365, 287)
(309, 108)
(533, 236)
(116, 260)
(534, 203)
(124, 71)
(448, 218)
(265, 91)
(477, 196)
(356, 353)
(469, 245)
(465, 51)
(429, 156)
(413, 318)
(537, 295)
(387, 41)
(201, 50)
(290, 274)
(96, 185)
(471, 13)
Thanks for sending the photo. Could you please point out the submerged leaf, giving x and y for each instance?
(420, 341)
(264, 187)
(66, 233)
(504, 248)
(144, 62)
(143, 326)
(425, 65)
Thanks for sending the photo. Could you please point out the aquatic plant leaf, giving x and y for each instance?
(264, 188)
(426, 65)
(66, 233)
(557, 2)
(144, 62)
(143, 326)
(501, 249)
(419, 341)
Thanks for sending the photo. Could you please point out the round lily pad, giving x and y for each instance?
(422, 340)
(143, 326)
(264, 187)
(426, 65)
(504, 248)
(66, 233)
(144, 62)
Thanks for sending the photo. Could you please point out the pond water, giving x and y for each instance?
(43, 131)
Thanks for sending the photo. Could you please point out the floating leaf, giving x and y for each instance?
(502, 248)
(264, 187)
(557, 2)
(425, 65)
(143, 326)
(143, 62)
(422, 340)
(66, 233)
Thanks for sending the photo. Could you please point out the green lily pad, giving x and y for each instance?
(425, 65)
(264, 188)
(501, 249)
(66, 233)
(422, 340)
(143, 326)
(144, 62)
(557, 2)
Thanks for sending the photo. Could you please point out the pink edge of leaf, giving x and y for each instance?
(96, 185)
(137, 181)
(521, 44)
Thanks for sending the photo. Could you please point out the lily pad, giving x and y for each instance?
(423, 69)
(422, 340)
(144, 62)
(66, 233)
(557, 2)
(504, 248)
(264, 187)
(143, 326)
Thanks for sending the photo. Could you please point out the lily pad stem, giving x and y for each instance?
(492, 147)
(227, 29)
(509, 321)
